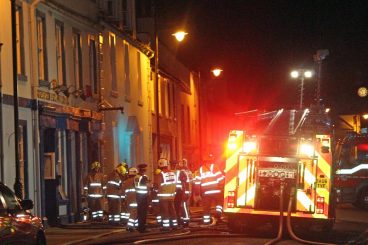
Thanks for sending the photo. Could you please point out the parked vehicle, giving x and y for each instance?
(17, 224)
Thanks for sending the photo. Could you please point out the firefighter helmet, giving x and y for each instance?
(121, 169)
(95, 165)
(162, 163)
(133, 171)
(124, 164)
(157, 171)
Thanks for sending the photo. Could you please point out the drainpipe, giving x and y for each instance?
(35, 118)
(1, 125)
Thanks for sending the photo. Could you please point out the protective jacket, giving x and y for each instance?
(166, 185)
(94, 185)
(131, 201)
(210, 179)
(113, 185)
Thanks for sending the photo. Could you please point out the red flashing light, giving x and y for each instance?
(231, 199)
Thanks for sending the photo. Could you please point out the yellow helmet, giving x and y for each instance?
(157, 171)
(133, 171)
(124, 164)
(121, 169)
(96, 165)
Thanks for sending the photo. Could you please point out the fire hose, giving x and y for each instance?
(281, 217)
(290, 229)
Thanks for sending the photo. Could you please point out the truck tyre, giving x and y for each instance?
(363, 198)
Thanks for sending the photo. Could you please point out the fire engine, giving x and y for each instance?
(351, 180)
(284, 148)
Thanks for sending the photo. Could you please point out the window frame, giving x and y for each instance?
(60, 52)
(41, 48)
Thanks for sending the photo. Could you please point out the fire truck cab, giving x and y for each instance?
(285, 154)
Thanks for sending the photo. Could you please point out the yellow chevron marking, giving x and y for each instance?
(324, 165)
(251, 194)
(304, 200)
(232, 160)
(309, 177)
(324, 193)
(241, 200)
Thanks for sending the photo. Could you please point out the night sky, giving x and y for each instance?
(258, 43)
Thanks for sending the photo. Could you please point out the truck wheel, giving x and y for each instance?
(363, 198)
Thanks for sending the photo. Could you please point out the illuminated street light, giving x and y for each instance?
(180, 35)
(216, 72)
(362, 92)
(301, 74)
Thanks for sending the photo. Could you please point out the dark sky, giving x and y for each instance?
(258, 43)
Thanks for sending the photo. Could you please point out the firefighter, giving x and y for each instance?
(141, 188)
(131, 199)
(94, 184)
(166, 183)
(211, 181)
(185, 179)
(123, 206)
(113, 192)
(155, 202)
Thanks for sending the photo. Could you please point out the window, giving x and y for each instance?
(20, 43)
(60, 53)
(113, 62)
(127, 71)
(126, 18)
(41, 47)
(139, 75)
(355, 153)
(188, 125)
(183, 136)
(169, 109)
(61, 164)
(93, 65)
(77, 60)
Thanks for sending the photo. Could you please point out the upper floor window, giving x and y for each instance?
(77, 60)
(93, 64)
(126, 16)
(113, 62)
(41, 47)
(20, 42)
(60, 53)
(127, 70)
(139, 75)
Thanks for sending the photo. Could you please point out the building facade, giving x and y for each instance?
(86, 92)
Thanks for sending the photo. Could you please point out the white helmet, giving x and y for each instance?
(133, 171)
(162, 162)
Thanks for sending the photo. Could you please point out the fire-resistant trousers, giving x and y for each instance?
(114, 208)
(168, 213)
(208, 199)
(95, 204)
(142, 206)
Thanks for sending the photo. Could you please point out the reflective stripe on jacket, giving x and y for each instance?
(113, 184)
(209, 179)
(167, 185)
(94, 184)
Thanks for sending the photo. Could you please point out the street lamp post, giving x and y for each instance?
(179, 35)
(301, 74)
(17, 183)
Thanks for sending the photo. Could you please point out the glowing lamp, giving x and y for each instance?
(365, 116)
(306, 149)
(217, 72)
(249, 146)
(180, 35)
